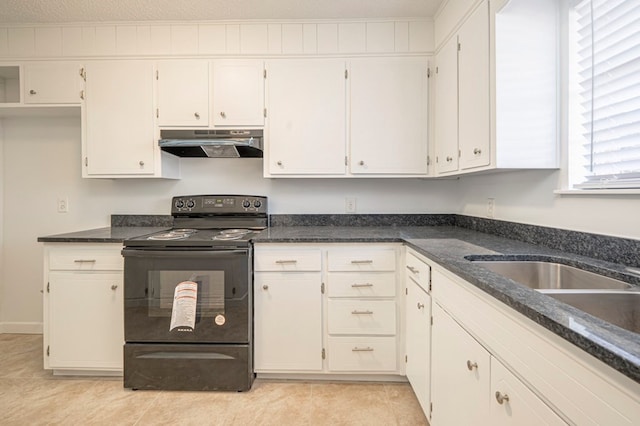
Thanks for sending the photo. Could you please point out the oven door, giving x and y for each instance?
(187, 296)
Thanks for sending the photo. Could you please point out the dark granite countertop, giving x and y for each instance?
(115, 234)
(449, 245)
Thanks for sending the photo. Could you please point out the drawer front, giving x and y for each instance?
(364, 284)
(418, 271)
(362, 260)
(362, 316)
(86, 260)
(362, 354)
(287, 260)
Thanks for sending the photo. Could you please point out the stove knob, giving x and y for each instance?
(257, 204)
(179, 204)
(190, 204)
(246, 204)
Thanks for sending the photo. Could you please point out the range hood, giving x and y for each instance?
(212, 143)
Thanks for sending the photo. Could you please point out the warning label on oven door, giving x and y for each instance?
(183, 313)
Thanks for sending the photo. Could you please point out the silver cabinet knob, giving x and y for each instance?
(279, 163)
(501, 397)
(361, 163)
(141, 163)
(471, 365)
(197, 116)
(113, 287)
(477, 151)
(420, 305)
(265, 287)
(223, 114)
(449, 159)
(32, 92)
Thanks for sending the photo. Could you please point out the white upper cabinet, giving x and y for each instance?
(238, 93)
(53, 83)
(496, 86)
(183, 93)
(119, 139)
(462, 96)
(388, 116)
(306, 116)
(473, 90)
(446, 107)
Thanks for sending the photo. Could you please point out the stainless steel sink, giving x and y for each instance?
(619, 308)
(552, 276)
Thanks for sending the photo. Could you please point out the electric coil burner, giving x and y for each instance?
(188, 299)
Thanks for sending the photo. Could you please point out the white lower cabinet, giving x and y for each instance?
(326, 309)
(465, 372)
(288, 321)
(83, 309)
(490, 365)
(418, 328)
(460, 374)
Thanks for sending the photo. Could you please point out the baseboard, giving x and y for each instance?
(20, 328)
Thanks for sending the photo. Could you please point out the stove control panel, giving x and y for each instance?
(219, 204)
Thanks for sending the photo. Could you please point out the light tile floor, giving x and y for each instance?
(30, 395)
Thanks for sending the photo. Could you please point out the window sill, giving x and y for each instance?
(587, 192)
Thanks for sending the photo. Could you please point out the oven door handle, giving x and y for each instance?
(182, 253)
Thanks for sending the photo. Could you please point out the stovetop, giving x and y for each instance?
(195, 238)
(210, 221)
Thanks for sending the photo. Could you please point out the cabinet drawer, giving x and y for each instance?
(418, 271)
(287, 260)
(86, 260)
(362, 316)
(362, 354)
(362, 260)
(365, 284)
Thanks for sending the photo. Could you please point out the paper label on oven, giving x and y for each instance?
(183, 313)
(220, 319)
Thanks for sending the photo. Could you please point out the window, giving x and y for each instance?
(604, 94)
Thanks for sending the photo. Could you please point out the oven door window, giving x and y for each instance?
(187, 296)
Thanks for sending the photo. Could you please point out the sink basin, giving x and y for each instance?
(552, 276)
(618, 308)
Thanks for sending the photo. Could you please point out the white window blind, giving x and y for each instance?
(606, 38)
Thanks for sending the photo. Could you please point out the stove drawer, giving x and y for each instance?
(86, 259)
(362, 354)
(362, 316)
(287, 260)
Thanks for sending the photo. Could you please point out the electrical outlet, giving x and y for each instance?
(491, 207)
(63, 205)
(350, 205)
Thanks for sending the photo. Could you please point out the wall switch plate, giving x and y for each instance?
(350, 205)
(491, 207)
(63, 205)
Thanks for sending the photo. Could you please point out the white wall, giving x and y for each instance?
(527, 197)
(42, 161)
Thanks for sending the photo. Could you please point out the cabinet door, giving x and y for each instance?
(446, 109)
(238, 93)
(183, 93)
(418, 338)
(86, 329)
(288, 321)
(473, 90)
(512, 403)
(388, 116)
(306, 117)
(52, 83)
(460, 374)
(118, 118)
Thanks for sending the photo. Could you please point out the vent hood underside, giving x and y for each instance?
(212, 143)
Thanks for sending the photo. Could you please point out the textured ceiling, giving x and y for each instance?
(60, 11)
